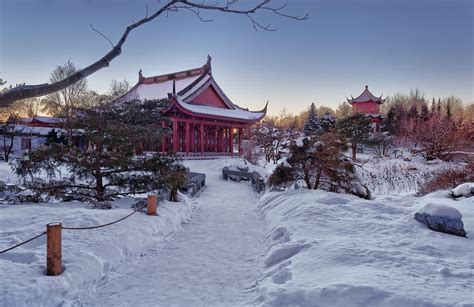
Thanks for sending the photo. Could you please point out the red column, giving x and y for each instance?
(163, 137)
(231, 140)
(187, 138)
(191, 136)
(240, 140)
(175, 135)
(220, 140)
(201, 137)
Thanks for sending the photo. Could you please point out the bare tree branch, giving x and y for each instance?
(30, 91)
(101, 34)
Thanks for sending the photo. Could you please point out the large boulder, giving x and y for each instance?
(441, 218)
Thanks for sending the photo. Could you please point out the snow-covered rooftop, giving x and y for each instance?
(44, 119)
(366, 96)
(231, 113)
(162, 89)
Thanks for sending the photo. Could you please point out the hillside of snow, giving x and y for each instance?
(327, 249)
(89, 256)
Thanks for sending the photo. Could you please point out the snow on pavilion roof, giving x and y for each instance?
(366, 96)
(43, 119)
(237, 113)
(186, 86)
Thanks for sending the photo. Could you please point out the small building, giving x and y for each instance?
(204, 121)
(42, 121)
(369, 105)
(30, 133)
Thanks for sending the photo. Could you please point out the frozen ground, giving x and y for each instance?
(89, 256)
(229, 247)
(213, 261)
(330, 249)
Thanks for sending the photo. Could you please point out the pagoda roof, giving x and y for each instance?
(185, 86)
(366, 96)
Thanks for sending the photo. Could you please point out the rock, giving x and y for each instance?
(441, 218)
(102, 205)
(407, 159)
(465, 189)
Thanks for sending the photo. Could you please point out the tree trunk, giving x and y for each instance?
(354, 150)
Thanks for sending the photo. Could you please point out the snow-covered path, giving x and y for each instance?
(214, 260)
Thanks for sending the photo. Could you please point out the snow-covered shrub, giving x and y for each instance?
(319, 161)
(448, 179)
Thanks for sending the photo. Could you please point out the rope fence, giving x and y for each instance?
(53, 234)
(24, 242)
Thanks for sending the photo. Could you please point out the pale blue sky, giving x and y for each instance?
(392, 46)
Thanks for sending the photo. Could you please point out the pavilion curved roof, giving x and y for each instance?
(187, 85)
(366, 96)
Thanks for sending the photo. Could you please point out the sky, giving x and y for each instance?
(392, 46)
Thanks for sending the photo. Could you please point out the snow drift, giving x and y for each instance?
(88, 255)
(327, 249)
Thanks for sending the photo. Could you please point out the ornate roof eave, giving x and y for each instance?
(175, 105)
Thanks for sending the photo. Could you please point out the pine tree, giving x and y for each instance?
(438, 107)
(413, 112)
(449, 115)
(433, 106)
(312, 125)
(327, 122)
(356, 129)
(425, 113)
(109, 167)
(319, 161)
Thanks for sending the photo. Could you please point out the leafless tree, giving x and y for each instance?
(171, 6)
(8, 131)
(64, 101)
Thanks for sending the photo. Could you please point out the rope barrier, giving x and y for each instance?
(73, 228)
(99, 226)
(24, 242)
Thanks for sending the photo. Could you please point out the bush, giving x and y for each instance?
(448, 179)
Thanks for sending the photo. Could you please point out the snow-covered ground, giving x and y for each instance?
(213, 261)
(232, 246)
(329, 249)
(89, 256)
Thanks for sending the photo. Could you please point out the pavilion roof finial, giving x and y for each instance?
(174, 87)
(208, 64)
(140, 76)
(366, 87)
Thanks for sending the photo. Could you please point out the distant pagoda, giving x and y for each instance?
(369, 105)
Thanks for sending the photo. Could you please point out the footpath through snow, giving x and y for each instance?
(214, 260)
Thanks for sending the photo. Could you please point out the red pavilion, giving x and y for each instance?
(204, 121)
(369, 105)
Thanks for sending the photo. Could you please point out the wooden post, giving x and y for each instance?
(151, 204)
(53, 249)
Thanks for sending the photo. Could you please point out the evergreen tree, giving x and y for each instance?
(425, 113)
(312, 125)
(109, 167)
(319, 161)
(433, 106)
(356, 129)
(327, 122)
(438, 107)
(449, 115)
(413, 112)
